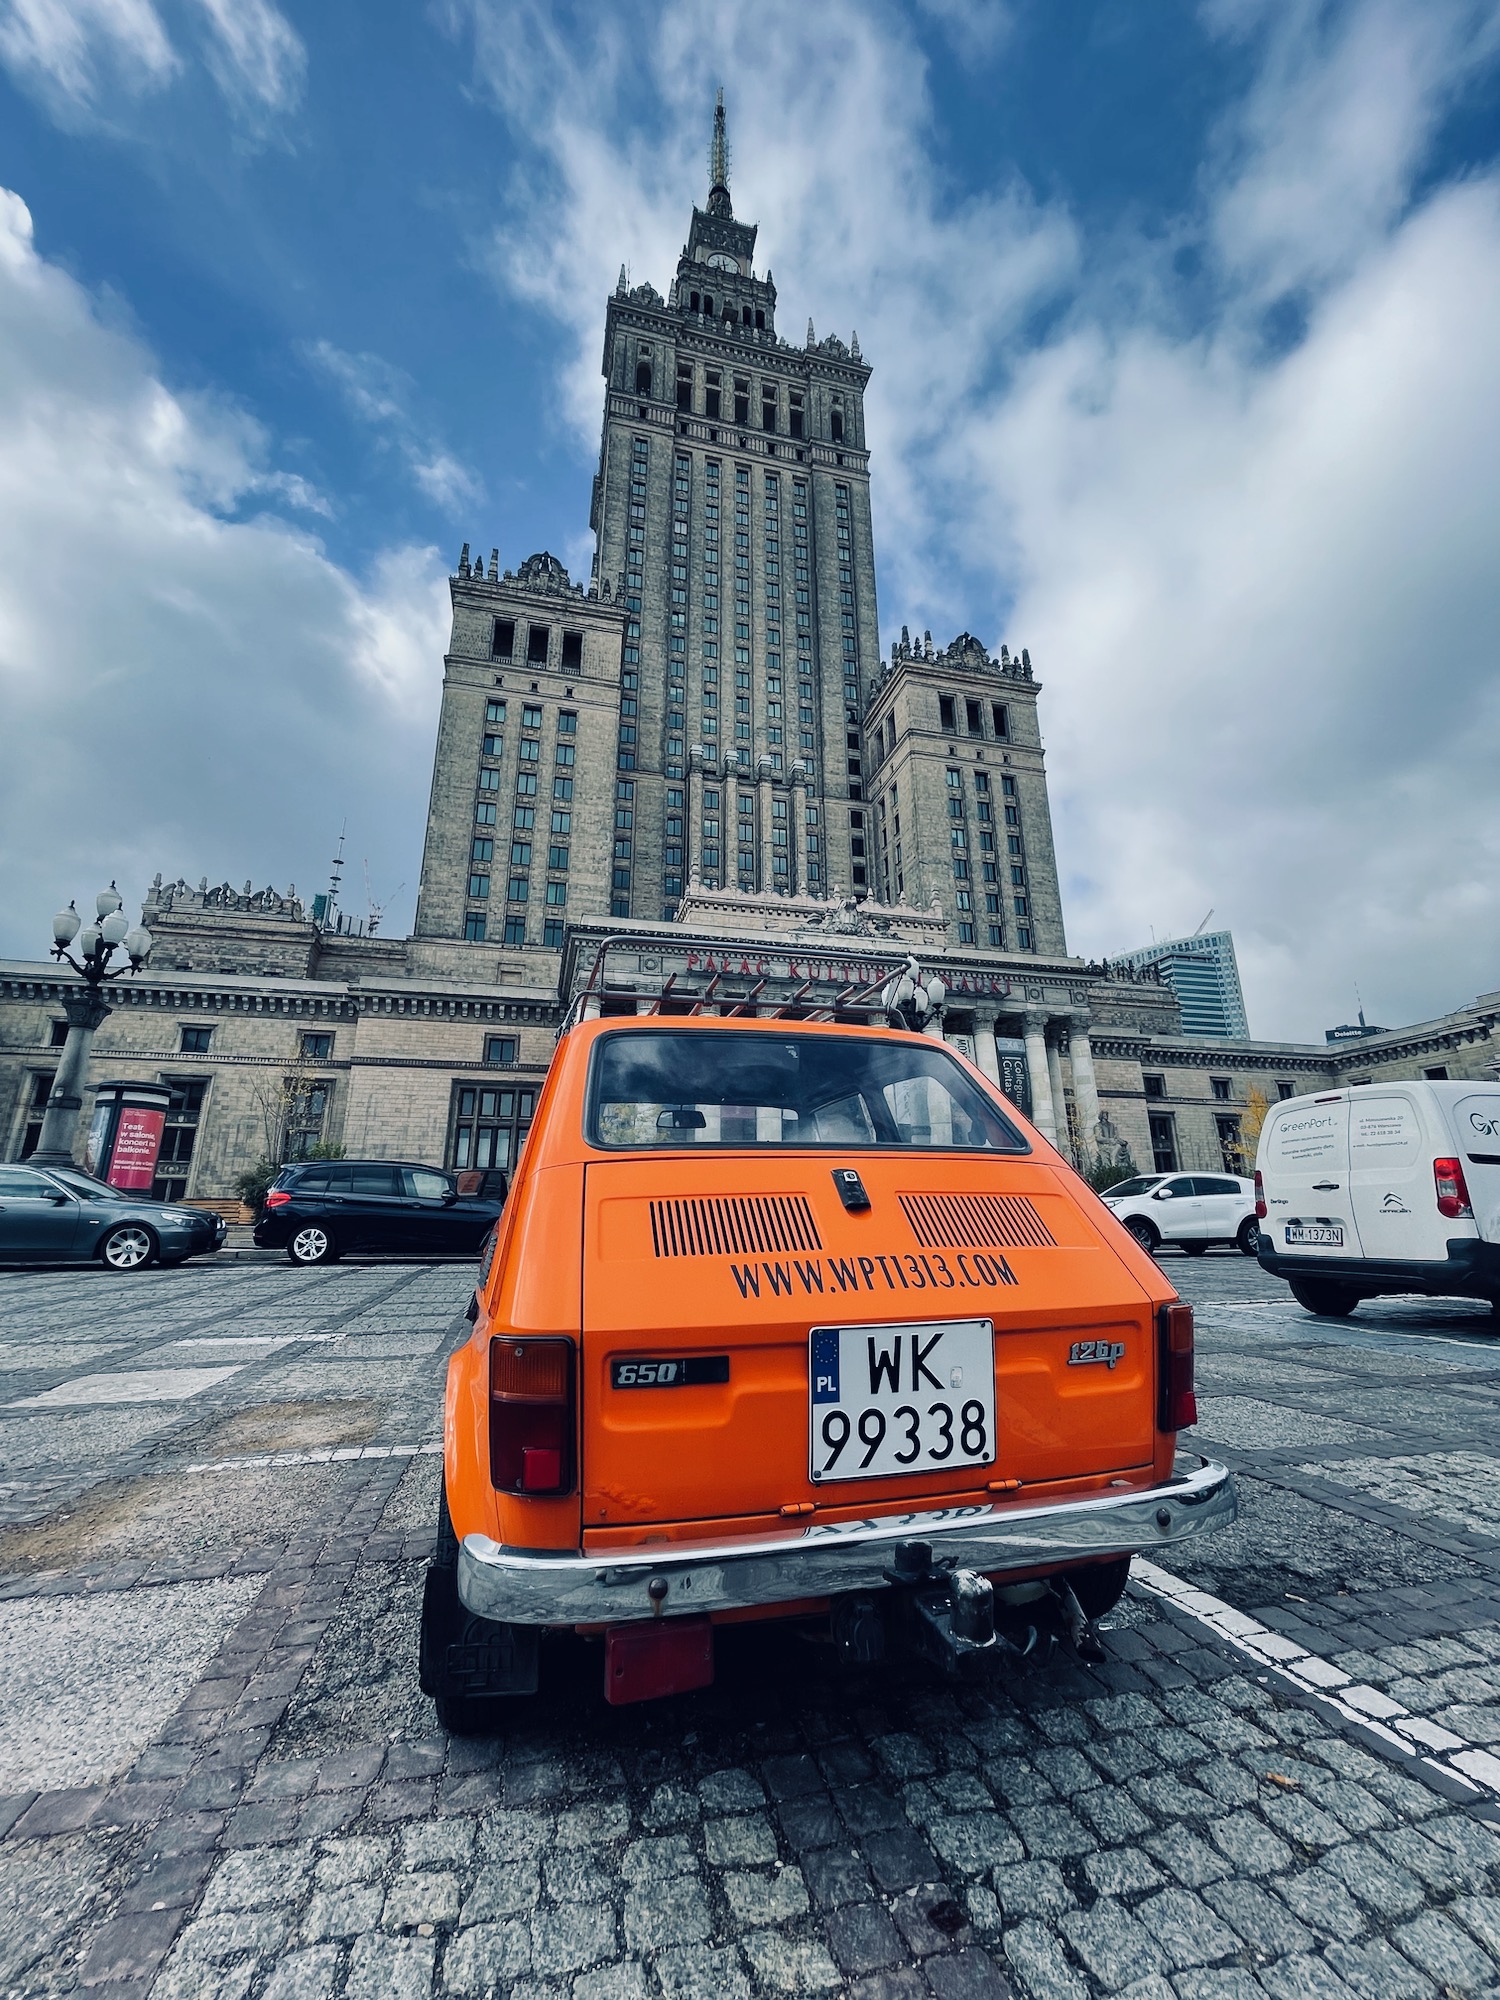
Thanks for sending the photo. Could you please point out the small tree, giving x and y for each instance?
(1257, 1104)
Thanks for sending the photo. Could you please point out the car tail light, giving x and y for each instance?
(278, 1198)
(531, 1415)
(1452, 1193)
(1260, 1196)
(1177, 1406)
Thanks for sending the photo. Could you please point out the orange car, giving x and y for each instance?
(797, 1319)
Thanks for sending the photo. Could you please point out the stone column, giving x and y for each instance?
(86, 1010)
(767, 869)
(799, 829)
(1085, 1088)
(985, 1053)
(1041, 1083)
(695, 814)
(1059, 1095)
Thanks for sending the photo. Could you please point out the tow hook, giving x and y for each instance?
(949, 1614)
(1081, 1630)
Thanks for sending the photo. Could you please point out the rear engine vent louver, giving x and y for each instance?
(974, 1221)
(730, 1225)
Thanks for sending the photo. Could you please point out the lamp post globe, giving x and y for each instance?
(84, 1004)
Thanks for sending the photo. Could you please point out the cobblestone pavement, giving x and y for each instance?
(217, 1494)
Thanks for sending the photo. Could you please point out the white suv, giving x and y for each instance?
(1190, 1210)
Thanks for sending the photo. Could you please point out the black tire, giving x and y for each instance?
(311, 1243)
(129, 1246)
(1145, 1233)
(445, 1621)
(1100, 1587)
(1325, 1297)
(1248, 1238)
(1195, 1247)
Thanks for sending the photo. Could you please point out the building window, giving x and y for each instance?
(475, 926)
(195, 1041)
(536, 645)
(499, 1048)
(1221, 1087)
(503, 639)
(552, 934)
(974, 717)
(36, 1110)
(317, 1046)
(180, 1131)
(59, 1035)
(479, 887)
(1002, 720)
(1154, 1086)
(567, 754)
(1231, 1148)
(1285, 1088)
(567, 722)
(515, 930)
(1437, 1074)
(1163, 1142)
(487, 1126)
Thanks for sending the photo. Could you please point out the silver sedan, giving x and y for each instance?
(56, 1215)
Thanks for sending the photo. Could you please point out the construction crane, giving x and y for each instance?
(377, 910)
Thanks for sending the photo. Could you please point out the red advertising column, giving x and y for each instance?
(137, 1143)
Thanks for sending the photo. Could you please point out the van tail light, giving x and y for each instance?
(532, 1421)
(1260, 1197)
(1452, 1193)
(278, 1198)
(1177, 1406)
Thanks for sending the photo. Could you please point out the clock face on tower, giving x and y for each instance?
(720, 261)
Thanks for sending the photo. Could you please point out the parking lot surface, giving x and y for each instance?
(218, 1487)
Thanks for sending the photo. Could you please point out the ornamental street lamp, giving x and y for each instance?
(98, 942)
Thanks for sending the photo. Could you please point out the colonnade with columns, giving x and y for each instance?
(1048, 1038)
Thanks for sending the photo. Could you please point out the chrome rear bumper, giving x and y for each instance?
(827, 1559)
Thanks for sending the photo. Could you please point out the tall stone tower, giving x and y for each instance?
(732, 510)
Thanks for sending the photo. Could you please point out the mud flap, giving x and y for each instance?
(668, 1656)
(460, 1655)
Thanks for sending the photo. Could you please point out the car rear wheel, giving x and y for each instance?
(1249, 1236)
(1325, 1297)
(129, 1246)
(446, 1622)
(1100, 1587)
(1144, 1232)
(311, 1245)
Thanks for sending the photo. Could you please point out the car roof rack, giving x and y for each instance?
(670, 997)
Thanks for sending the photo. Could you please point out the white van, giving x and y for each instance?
(1384, 1187)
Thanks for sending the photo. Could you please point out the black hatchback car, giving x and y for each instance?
(319, 1208)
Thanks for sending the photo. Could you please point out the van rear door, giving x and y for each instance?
(1391, 1149)
(1476, 1126)
(1304, 1168)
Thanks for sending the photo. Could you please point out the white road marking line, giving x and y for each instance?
(249, 1340)
(323, 1455)
(1367, 1706)
(146, 1385)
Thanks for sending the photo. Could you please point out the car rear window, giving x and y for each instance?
(692, 1088)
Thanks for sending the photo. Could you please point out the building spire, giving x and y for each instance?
(718, 163)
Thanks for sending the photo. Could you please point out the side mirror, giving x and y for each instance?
(449, 1198)
(61, 1200)
(1162, 1194)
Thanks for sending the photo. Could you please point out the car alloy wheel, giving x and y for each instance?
(128, 1248)
(1249, 1236)
(310, 1245)
(1144, 1232)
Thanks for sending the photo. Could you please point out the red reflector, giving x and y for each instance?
(541, 1469)
(1260, 1196)
(1177, 1406)
(1452, 1192)
(671, 1656)
(532, 1420)
(277, 1198)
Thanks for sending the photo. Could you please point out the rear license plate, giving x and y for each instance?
(1328, 1233)
(888, 1400)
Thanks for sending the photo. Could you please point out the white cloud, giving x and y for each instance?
(256, 55)
(380, 396)
(1257, 582)
(185, 684)
(90, 59)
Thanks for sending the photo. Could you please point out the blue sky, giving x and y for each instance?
(1182, 318)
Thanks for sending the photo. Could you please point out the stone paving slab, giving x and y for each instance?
(285, 1820)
